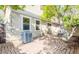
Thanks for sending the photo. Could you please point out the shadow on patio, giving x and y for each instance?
(9, 48)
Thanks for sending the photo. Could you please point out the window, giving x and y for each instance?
(37, 25)
(26, 25)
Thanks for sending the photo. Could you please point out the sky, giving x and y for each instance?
(34, 9)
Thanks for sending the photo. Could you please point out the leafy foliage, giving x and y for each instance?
(53, 10)
(48, 12)
(68, 14)
(68, 22)
(15, 7)
(2, 7)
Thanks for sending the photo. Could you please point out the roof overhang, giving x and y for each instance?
(26, 13)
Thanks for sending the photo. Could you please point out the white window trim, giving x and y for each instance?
(29, 22)
(38, 25)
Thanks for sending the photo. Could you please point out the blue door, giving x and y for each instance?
(26, 37)
(26, 34)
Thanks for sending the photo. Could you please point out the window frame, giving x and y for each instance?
(26, 24)
(37, 25)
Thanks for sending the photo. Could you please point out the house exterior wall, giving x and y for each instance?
(1, 12)
(17, 23)
(14, 28)
(35, 33)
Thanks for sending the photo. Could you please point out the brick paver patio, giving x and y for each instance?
(38, 46)
(8, 48)
(15, 47)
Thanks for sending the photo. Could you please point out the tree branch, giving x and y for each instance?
(73, 31)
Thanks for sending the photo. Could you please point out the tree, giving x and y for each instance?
(48, 12)
(52, 10)
(15, 7)
(65, 13)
